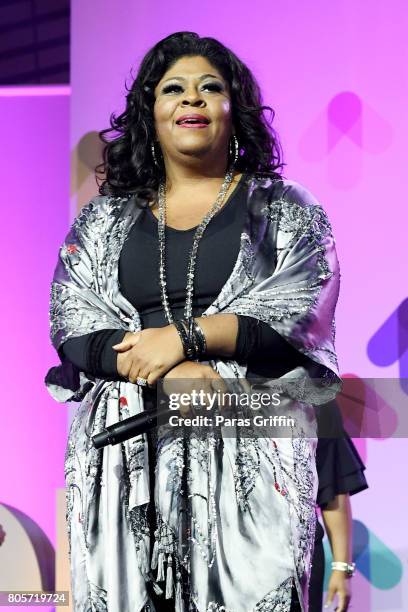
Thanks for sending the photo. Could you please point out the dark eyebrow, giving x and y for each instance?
(201, 78)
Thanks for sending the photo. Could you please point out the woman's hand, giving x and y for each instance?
(149, 353)
(192, 376)
(339, 584)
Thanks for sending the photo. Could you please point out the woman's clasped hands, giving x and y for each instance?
(149, 353)
(158, 352)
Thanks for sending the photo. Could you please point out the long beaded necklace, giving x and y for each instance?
(212, 527)
(193, 252)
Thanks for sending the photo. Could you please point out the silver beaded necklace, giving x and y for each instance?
(188, 308)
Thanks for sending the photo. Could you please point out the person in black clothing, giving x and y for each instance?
(194, 163)
(256, 341)
(341, 472)
(339, 467)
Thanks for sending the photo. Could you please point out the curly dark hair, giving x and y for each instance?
(128, 166)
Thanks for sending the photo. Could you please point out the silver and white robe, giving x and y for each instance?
(245, 543)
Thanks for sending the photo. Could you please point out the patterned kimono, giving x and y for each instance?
(227, 539)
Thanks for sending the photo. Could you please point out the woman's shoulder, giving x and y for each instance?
(281, 189)
(102, 203)
(98, 210)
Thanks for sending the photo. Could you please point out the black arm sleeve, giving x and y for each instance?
(93, 353)
(339, 466)
(264, 350)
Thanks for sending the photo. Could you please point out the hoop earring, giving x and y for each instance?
(234, 152)
(154, 154)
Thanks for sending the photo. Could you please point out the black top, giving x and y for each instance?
(265, 351)
(340, 466)
(217, 253)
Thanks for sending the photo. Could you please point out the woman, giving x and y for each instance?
(340, 472)
(232, 522)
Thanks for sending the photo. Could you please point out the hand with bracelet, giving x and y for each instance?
(152, 353)
(338, 523)
(339, 585)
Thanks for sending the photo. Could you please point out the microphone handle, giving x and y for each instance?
(129, 428)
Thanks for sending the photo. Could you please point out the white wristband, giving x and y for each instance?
(344, 567)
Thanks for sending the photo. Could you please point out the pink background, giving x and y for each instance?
(336, 76)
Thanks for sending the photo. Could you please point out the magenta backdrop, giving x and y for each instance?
(35, 212)
(336, 76)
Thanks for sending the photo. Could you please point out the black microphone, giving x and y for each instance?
(133, 426)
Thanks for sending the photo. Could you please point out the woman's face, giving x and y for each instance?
(193, 86)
